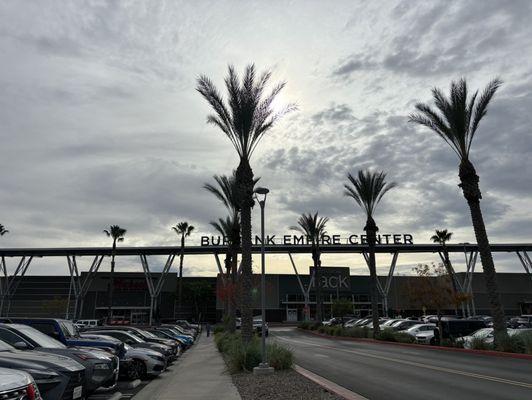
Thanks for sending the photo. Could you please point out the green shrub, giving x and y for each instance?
(403, 337)
(387, 335)
(478, 343)
(356, 332)
(218, 329)
(511, 344)
(322, 329)
(304, 325)
(279, 357)
(526, 337)
(315, 326)
(337, 330)
(452, 343)
(244, 357)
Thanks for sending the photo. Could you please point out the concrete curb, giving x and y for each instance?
(423, 346)
(115, 396)
(328, 385)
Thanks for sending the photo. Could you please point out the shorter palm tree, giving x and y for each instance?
(442, 237)
(184, 230)
(117, 235)
(3, 230)
(367, 189)
(313, 227)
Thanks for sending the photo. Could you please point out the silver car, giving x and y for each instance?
(147, 362)
(15, 384)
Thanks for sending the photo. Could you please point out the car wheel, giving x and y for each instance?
(141, 368)
(133, 372)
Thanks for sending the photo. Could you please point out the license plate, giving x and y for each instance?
(78, 391)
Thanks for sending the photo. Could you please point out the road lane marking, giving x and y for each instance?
(420, 365)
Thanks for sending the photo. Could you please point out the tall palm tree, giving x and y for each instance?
(184, 230)
(117, 235)
(227, 228)
(313, 227)
(456, 120)
(3, 230)
(442, 237)
(367, 189)
(226, 191)
(245, 117)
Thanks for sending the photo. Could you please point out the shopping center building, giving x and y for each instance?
(52, 296)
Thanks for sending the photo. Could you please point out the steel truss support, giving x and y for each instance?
(525, 262)
(79, 286)
(155, 289)
(306, 292)
(386, 289)
(9, 285)
(467, 285)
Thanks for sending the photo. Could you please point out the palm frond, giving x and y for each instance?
(367, 189)
(456, 117)
(247, 114)
(313, 226)
(3, 230)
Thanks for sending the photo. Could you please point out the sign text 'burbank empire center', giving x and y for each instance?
(272, 240)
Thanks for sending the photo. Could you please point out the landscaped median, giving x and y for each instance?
(517, 346)
(284, 383)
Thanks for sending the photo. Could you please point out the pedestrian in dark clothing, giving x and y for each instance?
(208, 329)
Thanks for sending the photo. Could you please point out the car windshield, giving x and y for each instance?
(389, 322)
(40, 338)
(5, 347)
(397, 323)
(69, 329)
(147, 334)
(135, 337)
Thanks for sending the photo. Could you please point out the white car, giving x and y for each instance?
(420, 328)
(15, 384)
(486, 334)
(426, 337)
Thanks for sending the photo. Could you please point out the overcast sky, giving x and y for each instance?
(100, 122)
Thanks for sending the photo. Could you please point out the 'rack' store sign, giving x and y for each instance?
(272, 240)
(333, 278)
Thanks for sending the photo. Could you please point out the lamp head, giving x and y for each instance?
(262, 190)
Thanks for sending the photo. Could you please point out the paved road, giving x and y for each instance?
(382, 371)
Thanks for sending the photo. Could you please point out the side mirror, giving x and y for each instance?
(21, 346)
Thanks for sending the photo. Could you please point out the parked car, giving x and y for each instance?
(15, 385)
(453, 328)
(170, 335)
(332, 321)
(350, 322)
(187, 325)
(388, 323)
(414, 330)
(175, 334)
(87, 323)
(136, 342)
(146, 362)
(57, 377)
(146, 336)
(428, 337)
(486, 334)
(401, 325)
(182, 330)
(66, 332)
(257, 326)
(101, 369)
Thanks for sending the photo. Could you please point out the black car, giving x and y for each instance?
(57, 377)
(101, 368)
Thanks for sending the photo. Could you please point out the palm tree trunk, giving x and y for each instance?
(111, 287)
(244, 178)
(233, 292)
(226, 282)
(180, 286)
(371, 234)
(469, 183)
(317, 277)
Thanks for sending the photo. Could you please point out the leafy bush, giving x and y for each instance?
(478, 343)
(218, 329)
(387, 335)
(357, 332)
(304, 325)
(244, 357)
(526, 337)
(337, 330)
(511, 344)
(279, 357)
(452, 343)
(315, 326)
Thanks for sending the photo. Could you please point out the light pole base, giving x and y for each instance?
(263, 369)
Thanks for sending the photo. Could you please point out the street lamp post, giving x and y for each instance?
(264, 367)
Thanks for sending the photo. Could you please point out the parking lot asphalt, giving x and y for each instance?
(384, 371)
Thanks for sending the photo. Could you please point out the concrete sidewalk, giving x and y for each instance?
(198, 374)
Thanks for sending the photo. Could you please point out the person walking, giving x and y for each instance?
(208, 329)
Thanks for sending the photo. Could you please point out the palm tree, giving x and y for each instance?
(313, 227)
(244, 118)
(227, 228)
(117, 234)
(367, 189)
(3, 230)
(442, 237)
(456, 120)
(184, 230)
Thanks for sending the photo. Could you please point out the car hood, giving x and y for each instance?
(38, 360)
(12, 379)
(426, 333)
(96, 357)
(141, 352)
